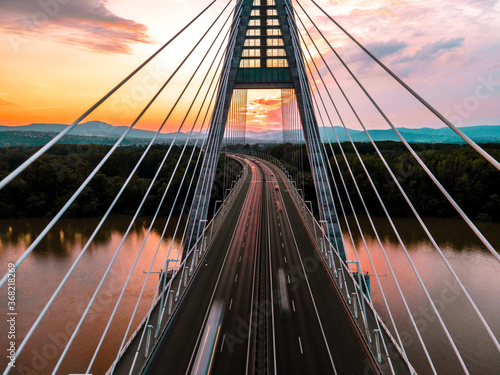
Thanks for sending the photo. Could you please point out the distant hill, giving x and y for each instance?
(479, 134)
(103, 133)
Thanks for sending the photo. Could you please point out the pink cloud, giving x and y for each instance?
(264, 113)
(89, 24)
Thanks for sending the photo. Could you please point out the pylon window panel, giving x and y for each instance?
(253, 32)
(251, 53)
(273, 22)
(252, 42)
(256, 3)
(250, 63)
(277, 63)
(275, 42)
(276, 52)
(273, 32)
(254, 22)
(255, 12)
(272, 12)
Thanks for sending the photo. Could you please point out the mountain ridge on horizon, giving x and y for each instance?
(97, 129)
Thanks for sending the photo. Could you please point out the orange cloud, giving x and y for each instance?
(5, 102)
(264, 110)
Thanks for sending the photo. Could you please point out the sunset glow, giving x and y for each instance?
(59, 57)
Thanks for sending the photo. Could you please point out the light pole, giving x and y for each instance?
(213, 218)
(361, 296)
(323, 230)
(312, 218)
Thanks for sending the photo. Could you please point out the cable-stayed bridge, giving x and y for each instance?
(264, 283)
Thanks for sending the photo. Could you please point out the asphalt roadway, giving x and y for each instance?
(228, 274)
(315, 336)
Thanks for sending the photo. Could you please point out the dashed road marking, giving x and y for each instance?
(293, 305)
(222, 345)
(300, 344)
(231, 304)
(236, 278)
(285, 259)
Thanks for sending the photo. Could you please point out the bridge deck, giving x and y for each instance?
(316, 335)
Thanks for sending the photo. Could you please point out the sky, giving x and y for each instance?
(58, 57)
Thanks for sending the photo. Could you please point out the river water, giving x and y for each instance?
(476, 268)
(40, 274)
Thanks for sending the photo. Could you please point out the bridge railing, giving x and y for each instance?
(138, 350)
(350, 285)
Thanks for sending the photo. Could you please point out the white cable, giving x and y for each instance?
(424, 227)
(41, 151)
(471, 143)
(419, 160)
(170, 214)
(131, 224)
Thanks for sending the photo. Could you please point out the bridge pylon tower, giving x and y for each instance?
(264, 53)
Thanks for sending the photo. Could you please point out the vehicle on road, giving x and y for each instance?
(283, 296)
(208, 343)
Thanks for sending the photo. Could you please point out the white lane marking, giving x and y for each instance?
(279, 225)
(293, 305)
(300, 344)
(245, 233)
(231, 304)
(288, 276)
(236, 278)
(243, 244)
(239, 260)
(281, 234)
(282, 245)
(285, 259)
(287, 218)
(222, 345)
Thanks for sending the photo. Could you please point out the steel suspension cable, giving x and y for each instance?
(450, 199)
(216, 118)
(160, 205)
(404, 248)
(372, 224)
(297, 46)
(471, 143)
(138, 210)
(101, 163)
(42, 150)
(394, 178)
(364, 205)
(165, 266)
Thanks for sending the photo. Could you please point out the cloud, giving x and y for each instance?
(266, 101)
(89, 24)
(5, 101)
(264, 112)
(386, 49)
(433, 50)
